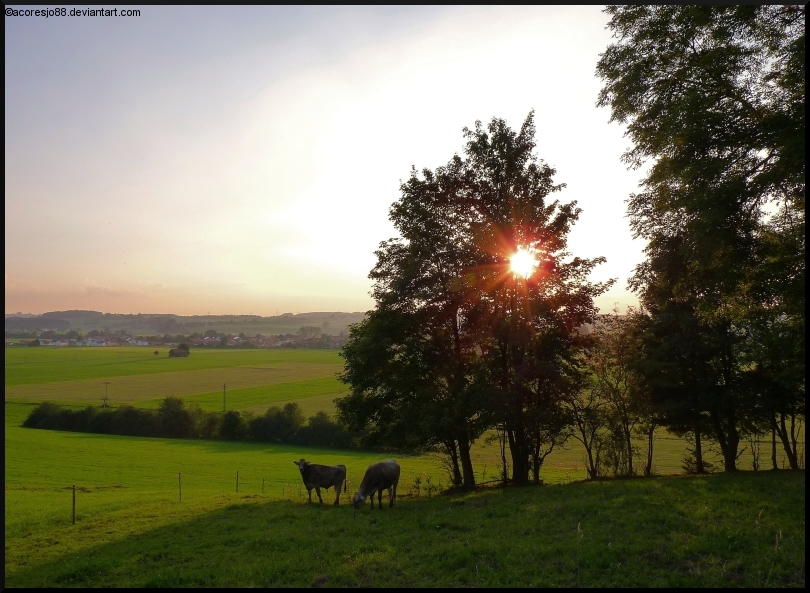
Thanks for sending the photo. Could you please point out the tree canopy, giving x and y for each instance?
(713, 98)
(458, 343)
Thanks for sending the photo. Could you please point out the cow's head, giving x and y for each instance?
(358, 500)
(302, 464)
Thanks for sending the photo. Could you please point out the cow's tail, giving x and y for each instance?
(345, 484)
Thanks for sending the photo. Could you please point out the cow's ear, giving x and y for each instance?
(295, 463)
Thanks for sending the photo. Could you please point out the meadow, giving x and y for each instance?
(132, 528)
(254, 380)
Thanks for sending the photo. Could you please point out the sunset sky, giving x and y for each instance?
(243, 160)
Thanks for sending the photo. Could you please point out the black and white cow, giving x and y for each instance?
(379, 476)
(322, 476)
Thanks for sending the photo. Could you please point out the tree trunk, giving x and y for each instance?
(729, 441)
(789, 447)
(698, 453)
(466, 463)
(650, 437)
(592, 469)
(520, 456)
(537, 461)
(504, 465)
(730, 454)
(452, 452)
(629, 445)
(773, 443)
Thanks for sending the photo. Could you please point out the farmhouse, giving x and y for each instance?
(178, 352)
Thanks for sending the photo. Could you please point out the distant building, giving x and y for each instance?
(178, 352)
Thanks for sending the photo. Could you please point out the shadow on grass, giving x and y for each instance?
(743, 530)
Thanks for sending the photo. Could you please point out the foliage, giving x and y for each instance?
(173, 420)
(618, 389)
(456, 343)
(714, 97)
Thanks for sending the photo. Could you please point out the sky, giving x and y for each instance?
(242, 160)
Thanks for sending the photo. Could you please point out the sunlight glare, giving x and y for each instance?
(522, 263)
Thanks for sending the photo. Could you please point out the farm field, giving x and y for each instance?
(133, 530)
(254, 380)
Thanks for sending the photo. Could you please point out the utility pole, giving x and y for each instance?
(105, 392)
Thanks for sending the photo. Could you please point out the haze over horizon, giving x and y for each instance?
(243, 160)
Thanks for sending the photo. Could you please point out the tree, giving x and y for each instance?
(309, 331)
(589, 420)
(173, 418)
(714, 97)
(277, 425)
(610, 361)
(409, 362)
(457, 342)
(529, 322)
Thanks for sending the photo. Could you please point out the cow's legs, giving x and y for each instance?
(390, 497)
(379, 498)
(318, 492)
(309, 491)
(337, 494)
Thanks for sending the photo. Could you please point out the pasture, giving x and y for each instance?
(720, 530)
(133, 530)
(254, 380)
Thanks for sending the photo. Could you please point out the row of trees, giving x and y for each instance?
(714, 98)
(463, 341)
(173, 419)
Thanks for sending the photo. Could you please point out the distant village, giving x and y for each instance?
(307, 337)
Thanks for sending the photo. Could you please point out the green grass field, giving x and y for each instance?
(26, 366)
(254, 380)
(132, 529)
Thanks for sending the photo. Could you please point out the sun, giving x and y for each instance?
(522, 263)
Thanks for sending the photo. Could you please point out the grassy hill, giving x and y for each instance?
(744, 530)
(133, 530)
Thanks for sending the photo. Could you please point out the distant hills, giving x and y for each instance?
(331, 323)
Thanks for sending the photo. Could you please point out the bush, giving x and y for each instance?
(173, 420)
(233, 426)
(277, 425)
(322, 431)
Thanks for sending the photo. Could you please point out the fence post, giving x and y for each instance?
(74, 504)
(180, 486)
(262, 485)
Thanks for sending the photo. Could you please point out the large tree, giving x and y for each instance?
(410, 361)
(458, 342)
(713, 98)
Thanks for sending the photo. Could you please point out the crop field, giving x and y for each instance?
(133, 528)
(253, 379)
